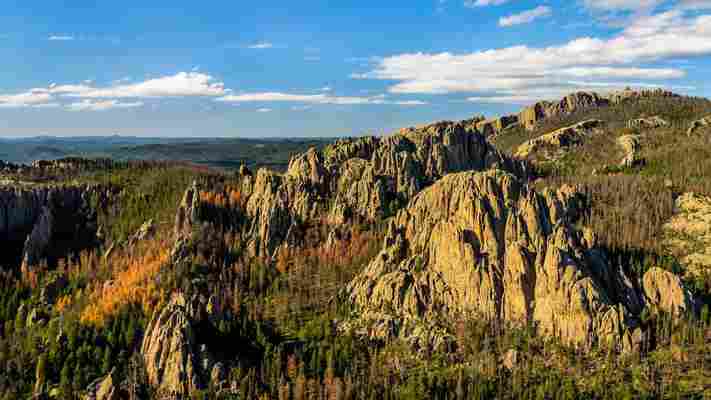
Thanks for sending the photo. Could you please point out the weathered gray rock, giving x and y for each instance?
(494, 126)
(561, 139)
(354, 180)
(647, 123)
(187, 215)
(177, 363)
(484, 244)
(698, 125)
(531, 116)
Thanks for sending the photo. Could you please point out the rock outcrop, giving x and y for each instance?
(687, 235)
(698, 125)
(357, 180)
(177, 364)
(104, 388)
(188, 211)
(560, 139)
(630, 145)
(494, 126)
(665, 292)
(531, 116)
(647, 123)
(485, 244)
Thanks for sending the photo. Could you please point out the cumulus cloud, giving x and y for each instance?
(525, 17)
(521, 70)
(313, 99)
(264, 110)
(182, 84)
(101, 105)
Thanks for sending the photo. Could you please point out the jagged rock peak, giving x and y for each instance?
(359, 179)
(486, 244)
(177, 364)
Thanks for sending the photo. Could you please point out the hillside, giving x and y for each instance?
(558, 253)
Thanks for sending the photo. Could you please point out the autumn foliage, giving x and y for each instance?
(132, 283)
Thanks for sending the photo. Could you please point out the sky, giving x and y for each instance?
(309, 68)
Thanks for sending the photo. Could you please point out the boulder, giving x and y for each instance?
(664, 291)
(104, 388)
(698, 125)
(561, 139)
(630, 145)
(485, 244)
(647, 123)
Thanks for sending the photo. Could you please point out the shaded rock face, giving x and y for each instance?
(484, 244)
(688, 233)
(43, 223)
(356, 180)
(647, 123)
(188, 211)
(176, 363)
(699, 125)
(562, 138)
(665, 292)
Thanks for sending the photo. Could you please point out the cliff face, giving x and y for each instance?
(41, 222)
(357, 180)
(484, 244)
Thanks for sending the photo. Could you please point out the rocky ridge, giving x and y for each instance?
(356, 180)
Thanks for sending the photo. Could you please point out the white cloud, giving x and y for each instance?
(484, 3)
(521, 70)
(31, 98)
(182, 84)
(264, 110)
(261, 46)
(312, 99)
(621, 5)
(61, 38)
(101, 105)
(526, 16)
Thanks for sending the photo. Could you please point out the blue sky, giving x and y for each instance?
(326, 68)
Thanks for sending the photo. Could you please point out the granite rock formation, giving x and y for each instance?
(485, 244)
